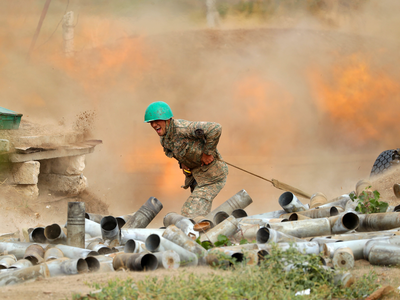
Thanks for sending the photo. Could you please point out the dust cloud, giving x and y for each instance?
(308, 99)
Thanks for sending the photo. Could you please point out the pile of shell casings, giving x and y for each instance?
(96, 243)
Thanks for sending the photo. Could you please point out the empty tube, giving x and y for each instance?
(99, 248)
(21, 264)
(344, 222)
(303, 247)
(356, 246)
(239, 213)
(75, 252)
(76, 224)
(240, 200)
(216, 256)
(168, 259)
(94, 217)
(296, 217)
(145, 262)
(187, 226)
(34, 253)
(318, 199)
(238, 252)
(324, 240)
(339, 201)
(380, 240)
(93, 264)
(228, 228)
(16, 248)
(145, 214)
(54, 234)
(268, 215)
(53, 253)
(25, 274)
(66, 266)
(203, 221)
(384, 254)
(106, 263)
(10, 237)
(239, 248)
(175, 235)
(268, 235)
(92, 228)
(323, 212)
(261, 222)
(7, 260)
(246, 231)
(91, 240)
(393, 208)
(289, 202)
(379, 221)
(134, 246)
(139, 234)
(135, 261)
(304, 228)
(109, 228)
(173, 218)
(37, 235)
(121, 220)
(363, 235)
(156, 243)
(343, 258)
(120, 261)
(220, 216)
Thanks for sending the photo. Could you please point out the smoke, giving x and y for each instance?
(308, 99)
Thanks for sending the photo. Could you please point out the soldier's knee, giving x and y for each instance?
(196, 206)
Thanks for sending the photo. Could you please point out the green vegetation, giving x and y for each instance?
(368, 202)
(267, 8)
(279, 276)
(205, 244)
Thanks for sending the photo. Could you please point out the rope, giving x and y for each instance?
(249, 172)
(276, 183)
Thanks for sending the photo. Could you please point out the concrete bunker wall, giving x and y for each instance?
(61, 176)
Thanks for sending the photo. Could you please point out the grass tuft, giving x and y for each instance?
(279, 276)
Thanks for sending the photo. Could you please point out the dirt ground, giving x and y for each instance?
(21, 213)
(64, 287)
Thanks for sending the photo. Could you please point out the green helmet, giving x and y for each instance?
(158, 111)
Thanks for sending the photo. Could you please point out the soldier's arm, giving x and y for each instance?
(168, 153)
(209, 131)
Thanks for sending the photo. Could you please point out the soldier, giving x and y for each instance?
(194, 146)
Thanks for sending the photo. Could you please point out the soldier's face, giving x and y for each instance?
(159, 126)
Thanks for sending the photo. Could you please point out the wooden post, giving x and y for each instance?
(68, 34)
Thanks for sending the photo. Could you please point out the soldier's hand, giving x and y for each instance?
(206, 159)
(186, 170)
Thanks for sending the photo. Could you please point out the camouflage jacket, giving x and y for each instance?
(186, 142)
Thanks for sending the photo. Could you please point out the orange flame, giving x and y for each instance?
(356, 97)
(153, 162)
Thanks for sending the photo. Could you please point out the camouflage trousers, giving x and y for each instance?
(200, 201)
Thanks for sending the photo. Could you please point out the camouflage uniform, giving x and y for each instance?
(186, 142)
